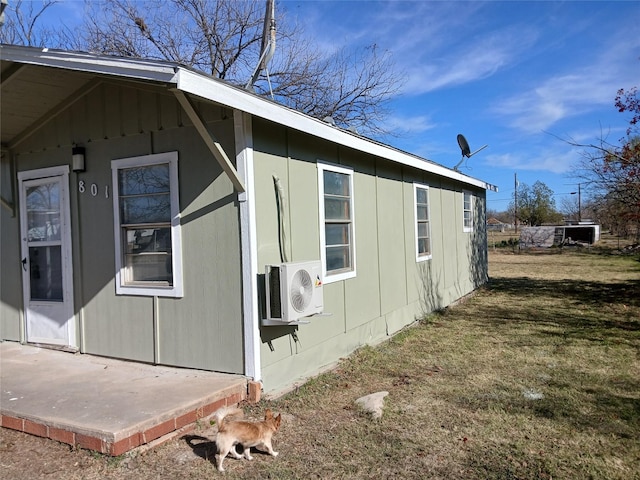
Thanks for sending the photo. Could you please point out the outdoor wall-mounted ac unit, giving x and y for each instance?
(293, 291)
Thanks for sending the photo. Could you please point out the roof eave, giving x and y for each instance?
(133, 68)
(197, 84)
(189, 81)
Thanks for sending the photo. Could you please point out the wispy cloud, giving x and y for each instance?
(409, 124)
(559, 97)
(437, 54)
(565, 94)
(431, 53)
(465, 64)
(596, 135)
(559, 160)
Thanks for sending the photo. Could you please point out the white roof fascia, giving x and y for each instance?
(150, 70)
(219, 92)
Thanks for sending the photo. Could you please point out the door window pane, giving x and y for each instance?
(43, 212)
(45, 274)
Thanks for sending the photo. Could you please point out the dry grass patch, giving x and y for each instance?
(536, 376)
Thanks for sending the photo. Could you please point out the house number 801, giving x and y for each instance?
(93, 188)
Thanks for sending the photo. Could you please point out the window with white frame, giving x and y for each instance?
(335, 186)
(467, 210)
(423, 223)
(147, 225)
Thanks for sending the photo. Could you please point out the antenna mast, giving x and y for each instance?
(268, 46)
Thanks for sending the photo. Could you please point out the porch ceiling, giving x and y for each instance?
(40, 90)
(31, 95)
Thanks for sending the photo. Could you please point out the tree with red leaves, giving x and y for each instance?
(612, 172)
(628, 102)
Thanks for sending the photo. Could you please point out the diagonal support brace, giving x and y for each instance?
(211, 141)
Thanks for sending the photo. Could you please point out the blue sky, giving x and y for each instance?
(507, 74)
(513, 75)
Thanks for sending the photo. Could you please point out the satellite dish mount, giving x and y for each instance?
(466, 150)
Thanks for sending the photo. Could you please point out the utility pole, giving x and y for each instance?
(579, 206)
(579, 192)
(515, 201)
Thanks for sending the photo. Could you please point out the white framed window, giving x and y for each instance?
(467, 211)
(147, 225)
(422, 222)
(337, 226)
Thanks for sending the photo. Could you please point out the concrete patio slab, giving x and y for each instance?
(102, 404)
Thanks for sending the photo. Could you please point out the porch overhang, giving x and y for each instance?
(75, 76)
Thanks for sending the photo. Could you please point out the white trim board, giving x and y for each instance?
(217, 91)
(249, 251)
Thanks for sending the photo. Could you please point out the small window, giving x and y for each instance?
(467, 211)
(147, 225)
(335, 186)
(423, 223)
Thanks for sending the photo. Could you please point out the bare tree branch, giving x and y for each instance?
(21, 26)
(223, 38)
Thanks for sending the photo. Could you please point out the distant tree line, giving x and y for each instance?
(532, 206)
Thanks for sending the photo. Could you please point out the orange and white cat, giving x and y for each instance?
(248, 434)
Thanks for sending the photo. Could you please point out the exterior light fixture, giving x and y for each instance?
(77, 159)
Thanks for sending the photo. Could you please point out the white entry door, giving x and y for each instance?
(46, 256)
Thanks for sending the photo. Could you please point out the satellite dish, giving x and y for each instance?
(466, 150)
(464, 146)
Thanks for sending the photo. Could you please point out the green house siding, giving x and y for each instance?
(362, 294)
(203, 329)
(10, 288)
(391, 290)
